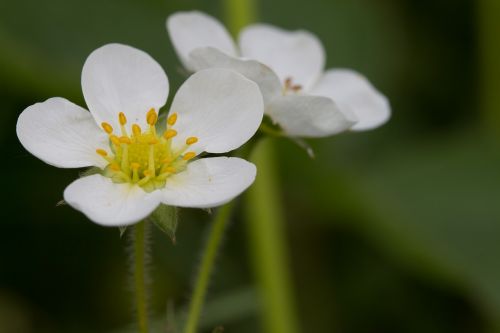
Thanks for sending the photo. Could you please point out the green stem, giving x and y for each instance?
(239, 13)
(489, 30)
(266, 235)
(140, 276)
(207, 266)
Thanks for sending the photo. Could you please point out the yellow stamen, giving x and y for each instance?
(153, 141)
(107, 127)
(115, 140)
(172, 119)
(170, 169)
(125, 140)
(135, 171)
(189, 155)
(166, 161)
(151, 117)
(169, 134)
(102, 152)
(147, 173)
(136, 129)
(122, 118)
(115, 167)
(151, 161)
(191, 140)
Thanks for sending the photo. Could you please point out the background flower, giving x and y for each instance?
(299, 96)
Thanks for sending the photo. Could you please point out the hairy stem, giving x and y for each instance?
(140, 276)
(207, 266)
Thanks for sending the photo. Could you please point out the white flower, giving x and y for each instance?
(288, 67)
(141, 165)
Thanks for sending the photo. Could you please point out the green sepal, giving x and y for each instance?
(90, 171)
(165, 218)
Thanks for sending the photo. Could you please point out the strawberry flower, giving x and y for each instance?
(288, 66)
(143, 163)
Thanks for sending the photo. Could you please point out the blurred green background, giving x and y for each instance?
(393, 230)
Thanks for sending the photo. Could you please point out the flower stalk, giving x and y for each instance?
(207, 266)
(140, 250)
(267, 246)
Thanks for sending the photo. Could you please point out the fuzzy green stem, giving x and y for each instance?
(140, 276)
(268, 250)
(207, 266)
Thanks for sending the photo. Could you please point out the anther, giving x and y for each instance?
(172, 119)
(122, 118)
(170, 170)
(125, 140)
(189, 155)
(107, 127)
(101, 152)
(153, 141)
(115, 167)
(135, 166)
(136, 129)
(191, 140)
(147, 173)
(169, 134)
(115, 140)
(151, 117)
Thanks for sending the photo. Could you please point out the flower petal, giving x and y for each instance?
(351, 90)
(220, 107)
(119, 78)
(309, 116)
(209, 182)
(110, 204)
(297, 55)
(268, 82)
(61, 134)
(191, 30)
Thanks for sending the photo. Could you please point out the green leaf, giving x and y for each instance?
(165, 218)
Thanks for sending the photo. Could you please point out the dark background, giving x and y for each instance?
(392, 230)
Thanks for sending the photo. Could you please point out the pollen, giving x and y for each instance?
(191, 140)
(107, 127)
(151, 117)
(122, 118)
(136, 129)
(145, 158)
(189, 155)
(115, 140)
(172, 119)
(169, 134)
(101, 152)
(125, 140)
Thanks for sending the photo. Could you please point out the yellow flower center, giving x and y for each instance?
(145, 158)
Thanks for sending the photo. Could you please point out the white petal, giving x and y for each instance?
(209, 182)
(119, 78)
(220, 107)
(268, 82)
(351, 90)
(298, 55)
(110, 204)
(61, 134)
(191, 30)
(309, 116)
